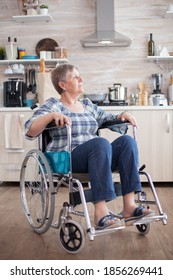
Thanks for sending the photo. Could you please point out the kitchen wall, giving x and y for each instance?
(100, 67)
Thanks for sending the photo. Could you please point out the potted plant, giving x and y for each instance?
(2, 53)
(43, 9)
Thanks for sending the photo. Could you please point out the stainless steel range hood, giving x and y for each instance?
(105, 35)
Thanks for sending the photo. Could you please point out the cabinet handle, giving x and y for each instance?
(167, 123)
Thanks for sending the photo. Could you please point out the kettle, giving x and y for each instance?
(117, 93)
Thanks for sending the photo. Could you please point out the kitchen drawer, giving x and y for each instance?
(11, 156)
(10, 172)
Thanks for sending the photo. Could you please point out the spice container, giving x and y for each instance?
(21, 52)
(60, 52)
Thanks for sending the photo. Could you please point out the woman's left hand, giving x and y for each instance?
(127, 116)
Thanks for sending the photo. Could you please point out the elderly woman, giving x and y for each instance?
(91, 153)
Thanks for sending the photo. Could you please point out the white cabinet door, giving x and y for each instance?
(155, 142)
(11, 159)
(155, 138)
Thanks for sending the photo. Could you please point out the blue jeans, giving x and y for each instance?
(98, 157)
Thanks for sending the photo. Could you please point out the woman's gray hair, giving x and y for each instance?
(60, 74)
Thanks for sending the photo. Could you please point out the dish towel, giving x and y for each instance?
(13, 130)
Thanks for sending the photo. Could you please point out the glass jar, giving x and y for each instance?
(21, 52)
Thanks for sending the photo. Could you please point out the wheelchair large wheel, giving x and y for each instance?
(143, 228)
(71, 237)
(36, 186)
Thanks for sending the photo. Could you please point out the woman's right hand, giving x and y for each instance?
(61, 120)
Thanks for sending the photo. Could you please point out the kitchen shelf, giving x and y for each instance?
(14, 75)
(50, 62)
(159, 58)
(164, 62)
(168, 14)
(33, 18)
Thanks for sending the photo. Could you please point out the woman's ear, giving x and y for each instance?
(61, 85)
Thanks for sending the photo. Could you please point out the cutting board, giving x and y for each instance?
(46, 44)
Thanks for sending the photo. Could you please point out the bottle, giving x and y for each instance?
(15, 50)
(9, 49)
(151, 46)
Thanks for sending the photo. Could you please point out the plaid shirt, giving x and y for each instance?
(84, 125)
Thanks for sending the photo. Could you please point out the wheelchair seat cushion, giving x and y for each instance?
(59, 162)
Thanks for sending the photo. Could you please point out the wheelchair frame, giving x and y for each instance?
(38, 186)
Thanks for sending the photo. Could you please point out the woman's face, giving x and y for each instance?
(74, 82)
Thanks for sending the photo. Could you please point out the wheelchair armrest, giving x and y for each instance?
(110, 123)
(116, 125)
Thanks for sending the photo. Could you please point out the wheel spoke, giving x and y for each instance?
(36, 187)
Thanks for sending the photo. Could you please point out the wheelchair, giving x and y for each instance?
(43, 174)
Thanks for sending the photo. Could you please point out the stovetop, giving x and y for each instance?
(113, 103)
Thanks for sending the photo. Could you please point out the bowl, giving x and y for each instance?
(29, 57)
(8, 71)
(18, 71)
(96, 97)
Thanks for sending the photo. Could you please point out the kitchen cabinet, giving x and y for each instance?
(11, 159)
(154, 138)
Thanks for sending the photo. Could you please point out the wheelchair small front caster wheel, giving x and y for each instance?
(71, 237)
(143, 228)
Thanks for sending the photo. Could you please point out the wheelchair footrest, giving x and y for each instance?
(97, 232)
(151, 219)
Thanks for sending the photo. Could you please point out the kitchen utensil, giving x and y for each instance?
(117, 93)
(96, 97)
(157, 83)
(30, 80)
(46, 44)
(157, 87)
(143, 94)
(34, 85)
